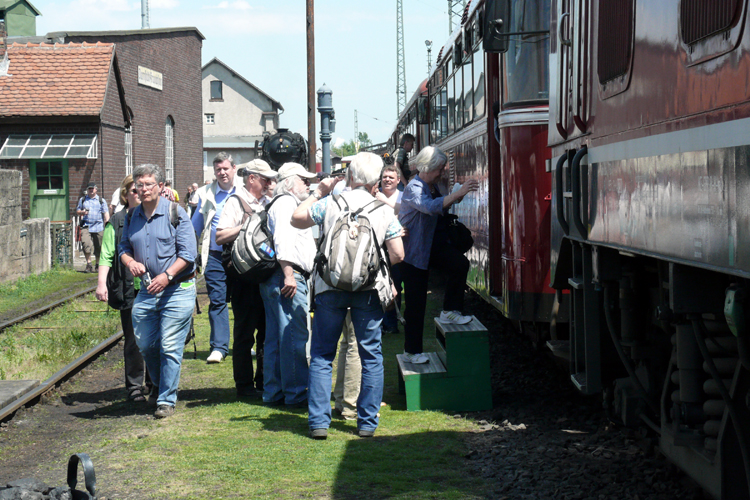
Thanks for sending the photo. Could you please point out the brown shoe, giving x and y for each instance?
(164, 411)
(89, 269)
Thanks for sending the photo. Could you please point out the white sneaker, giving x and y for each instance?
(416, 359)
(215, 357)
(454, 317)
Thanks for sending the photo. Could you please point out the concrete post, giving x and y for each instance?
(327, 124)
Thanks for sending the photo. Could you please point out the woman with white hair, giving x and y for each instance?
(421, 206)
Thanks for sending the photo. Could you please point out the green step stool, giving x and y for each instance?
(457, 378)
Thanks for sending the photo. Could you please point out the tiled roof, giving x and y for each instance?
(55, 79)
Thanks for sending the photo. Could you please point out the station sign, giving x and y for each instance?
(150, 78)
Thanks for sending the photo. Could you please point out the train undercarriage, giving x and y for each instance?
(666, 344)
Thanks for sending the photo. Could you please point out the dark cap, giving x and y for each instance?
(92, 184)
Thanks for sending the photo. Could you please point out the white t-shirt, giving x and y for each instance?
(116, 201)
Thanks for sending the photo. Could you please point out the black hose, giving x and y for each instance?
(623, 357)
(700, 337)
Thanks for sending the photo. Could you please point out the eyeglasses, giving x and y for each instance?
(149, 185)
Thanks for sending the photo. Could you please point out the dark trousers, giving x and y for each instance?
(390, 319)
(135, 369)
(456, 266)
(249, 317)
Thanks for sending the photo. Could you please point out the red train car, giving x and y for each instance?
(507, 151)
(648, 125)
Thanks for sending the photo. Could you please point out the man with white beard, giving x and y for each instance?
(285, 293)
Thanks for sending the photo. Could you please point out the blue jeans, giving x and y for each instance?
(218, 312)
(161, 323)
(284, 359)
(367, 315)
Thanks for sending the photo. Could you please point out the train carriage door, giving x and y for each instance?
(49, 189)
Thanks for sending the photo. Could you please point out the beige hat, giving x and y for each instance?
(258, 167)
(289, 169)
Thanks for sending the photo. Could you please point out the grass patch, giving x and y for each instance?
(37, 349)
(218, 447)
(18, 294)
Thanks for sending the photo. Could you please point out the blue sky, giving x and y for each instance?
(355, 47)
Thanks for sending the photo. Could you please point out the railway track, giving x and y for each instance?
(32, 396)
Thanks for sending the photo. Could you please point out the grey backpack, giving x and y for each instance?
(349, 256)
(251, 257)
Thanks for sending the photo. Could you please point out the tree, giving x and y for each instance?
(364, 140)
(346, 149)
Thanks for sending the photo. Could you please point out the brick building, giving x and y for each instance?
(161, 74)
(158, 72)
(63, 119)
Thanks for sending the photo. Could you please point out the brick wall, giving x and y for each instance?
(177, 55)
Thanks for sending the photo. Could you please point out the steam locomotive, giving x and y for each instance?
(612, 219)
(282, 147)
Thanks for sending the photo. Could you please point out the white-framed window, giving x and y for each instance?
(169, 150)
(210, 119)
(205, 158)
(129, 150)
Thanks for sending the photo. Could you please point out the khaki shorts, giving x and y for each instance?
(92, 242)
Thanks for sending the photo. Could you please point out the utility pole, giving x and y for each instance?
(356, 132)
(400, 60)
(312, 148)
(144, 15)
(455, 13)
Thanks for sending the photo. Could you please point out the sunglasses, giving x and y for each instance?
(134, 191)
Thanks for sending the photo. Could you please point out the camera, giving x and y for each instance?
(146, 280)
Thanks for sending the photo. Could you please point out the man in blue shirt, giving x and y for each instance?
(94, 214)
(205, 220)
(163, 255)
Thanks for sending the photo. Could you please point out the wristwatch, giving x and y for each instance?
(169, 277)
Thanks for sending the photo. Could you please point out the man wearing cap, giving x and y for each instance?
(94, 214)
(205, 219)
(285, 293)
(249, 313)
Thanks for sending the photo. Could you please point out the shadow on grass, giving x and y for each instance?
(419, 465)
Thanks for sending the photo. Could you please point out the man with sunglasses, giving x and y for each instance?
(285, 293)
(249, 313)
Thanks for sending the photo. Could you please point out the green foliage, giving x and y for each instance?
(37, 349)
(350, 147)
(18, 293)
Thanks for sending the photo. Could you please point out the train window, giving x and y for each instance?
(709, 28)
(459, 79)
(468, 40)
(478, 82)
(468, 104)
(526, 61)
(444, 111)
(615, 51)
(451, 106)
(458, 54)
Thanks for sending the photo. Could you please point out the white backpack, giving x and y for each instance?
(349, 256)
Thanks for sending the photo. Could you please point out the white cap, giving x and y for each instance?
(289, 169)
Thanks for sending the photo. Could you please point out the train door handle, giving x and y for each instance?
(560, 21)
(575, 180)
(559, 191)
